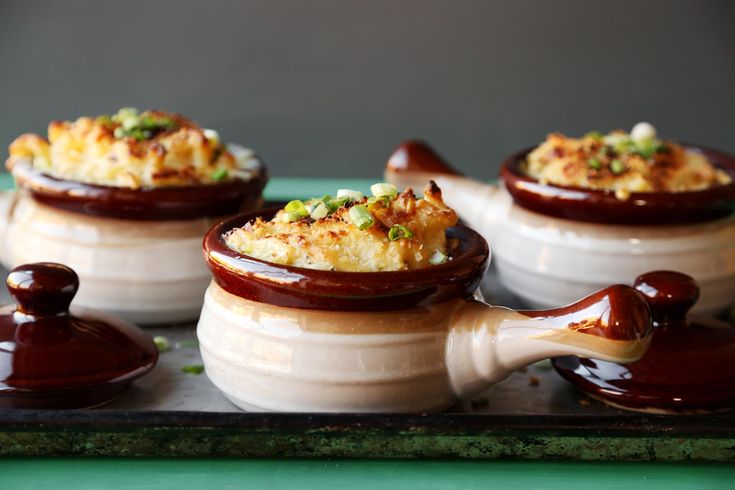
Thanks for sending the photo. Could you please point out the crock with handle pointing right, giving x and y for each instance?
(282, 338)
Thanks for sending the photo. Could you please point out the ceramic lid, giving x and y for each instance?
(51, 358)
(689, 366)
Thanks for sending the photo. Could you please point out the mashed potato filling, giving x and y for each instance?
(130, 149)
(623, 163)
(385, 232)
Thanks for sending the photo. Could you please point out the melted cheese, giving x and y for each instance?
(335, 243)
(589, 163)
(93, 151)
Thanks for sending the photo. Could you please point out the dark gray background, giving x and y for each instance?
(328, 88)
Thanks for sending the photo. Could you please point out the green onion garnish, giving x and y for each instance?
(350, 194)
(361, 217)
(397, 232)
(617, 166)
(162, 343)
(193, 369)
(336, 203)
(646, 147)
(220, 174)
(295, 210)
(319, 211)
(594, 163)
(438, 258)
(594, 135)
(384, 190)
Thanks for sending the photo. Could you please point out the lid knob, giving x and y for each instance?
(42, 289)
(669, 294)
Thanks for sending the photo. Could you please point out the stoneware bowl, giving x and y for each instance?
(52, 356)
(137, 252)
(283, 338)
(552, 244)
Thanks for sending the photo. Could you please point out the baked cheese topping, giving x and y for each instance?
(353, 233)
(134, 150)
(622, 162)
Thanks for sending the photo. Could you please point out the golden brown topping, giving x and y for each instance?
(386, 232)
(623, 163)
(131, 149)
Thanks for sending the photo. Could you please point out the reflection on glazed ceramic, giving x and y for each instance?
(144, 271)
(689, 367)
(548, 261)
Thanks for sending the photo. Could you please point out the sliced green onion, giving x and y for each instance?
(120, 133)
(646, 147)
(292, 216)
(594, 163)
(193, 369)
(663, 148)
(212, 136)
(438, 258)
(384, 190)
(296, 206)
(397, 232)
(361, 217)
(334, 204)
(594, 135)
(319, 211)
(220, 174)
(350, 194)
(617, 166)
(162, 343)
(125, 113)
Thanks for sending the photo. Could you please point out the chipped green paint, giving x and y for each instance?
(172, 442)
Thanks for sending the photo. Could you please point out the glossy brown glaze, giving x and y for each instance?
(160, 203)
(689, 366)
(602, 206)
(617, 312)
(50, 358)
(283, 285)
(417, 156)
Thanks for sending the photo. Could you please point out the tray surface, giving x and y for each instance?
(532, 415)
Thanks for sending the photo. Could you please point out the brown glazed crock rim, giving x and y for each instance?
(601, 206)
(298, 287)
(144, 204)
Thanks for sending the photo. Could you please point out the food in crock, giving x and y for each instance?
(286, 338)
(385, 232)
(555, 243)
(622, 162)
(125, 201)
(129, 149)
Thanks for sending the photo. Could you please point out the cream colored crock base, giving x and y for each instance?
(286, 359)
(273, 358)
(145, 271)
(549, 262)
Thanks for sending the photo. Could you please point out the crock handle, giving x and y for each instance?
(487, 343)
(482, 205)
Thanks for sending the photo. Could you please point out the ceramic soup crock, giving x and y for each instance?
(137, 252)
(552, 244)
(281, 338)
